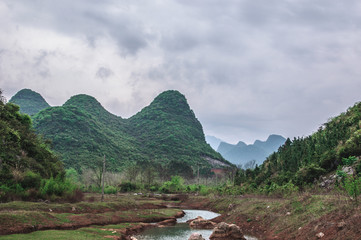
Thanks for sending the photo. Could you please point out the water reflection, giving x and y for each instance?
(192, 214)
(181, 230)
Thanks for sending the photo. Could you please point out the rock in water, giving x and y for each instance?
(225, 231)
(196, 236)
(201, 223)
(168, 222)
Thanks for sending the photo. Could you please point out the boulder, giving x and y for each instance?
(196, 236)
(201, 223)
(168, 222)
(348, 170)
(225, 231)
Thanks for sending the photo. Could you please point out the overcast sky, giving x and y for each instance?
(249, 68)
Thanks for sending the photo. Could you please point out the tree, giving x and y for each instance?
(131, 173)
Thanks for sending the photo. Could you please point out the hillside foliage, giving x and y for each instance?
(166, 134)
(26, 161)
(303, 160)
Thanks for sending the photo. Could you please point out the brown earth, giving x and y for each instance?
(43, 216)
(342, 223)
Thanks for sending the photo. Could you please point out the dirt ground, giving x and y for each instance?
(343, 223)
(340, 224)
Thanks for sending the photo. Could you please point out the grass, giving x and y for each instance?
(83, 233)
(120, 203)
(92, 232)
(278, 214)
(15, 216)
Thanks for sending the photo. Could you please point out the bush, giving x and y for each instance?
(4, 193)
(153, 188)
(308, 174)
(127, 187)
(56, 187)
(204, 190)
(283, 190)
(349, 161)
(72, 175)
(110, 190)
(31, 180)
(174, 185)
(352, 186)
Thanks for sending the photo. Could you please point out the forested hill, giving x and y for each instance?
(168, 131)
(302, 160)
(166, 134)
(25, 158)
(30, 102)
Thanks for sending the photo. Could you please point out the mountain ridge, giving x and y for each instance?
(243, 154)
(165, 133)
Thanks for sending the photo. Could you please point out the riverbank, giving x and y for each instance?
(118, 216)
(303, 216)
(298, 217)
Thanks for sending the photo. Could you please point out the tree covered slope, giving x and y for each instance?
(302, 160)
(23, 154)
(165, 134)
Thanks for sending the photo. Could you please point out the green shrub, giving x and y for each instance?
(174, 185)
(205, 190)
(31, 180)
(349, 161)
(127, 187)
(352, 186)
(308, 174)
(72, 175)
(283, 190)
(110, 190)
(56, 187)
(153, 188)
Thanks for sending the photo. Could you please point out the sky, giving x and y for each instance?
(248, 68)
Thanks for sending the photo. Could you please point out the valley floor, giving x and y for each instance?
(298, 217)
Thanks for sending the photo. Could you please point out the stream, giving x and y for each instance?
(181, 231)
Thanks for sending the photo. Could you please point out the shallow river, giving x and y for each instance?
(181, 230)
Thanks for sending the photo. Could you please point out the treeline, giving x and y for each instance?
(28, 168)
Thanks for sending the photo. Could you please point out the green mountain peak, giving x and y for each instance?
(172, 102)
(166, 134)
(30, 102)
(91, 106)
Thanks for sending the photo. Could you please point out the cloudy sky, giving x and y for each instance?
(249, 68)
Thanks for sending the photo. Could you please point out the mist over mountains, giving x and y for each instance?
(245, 155)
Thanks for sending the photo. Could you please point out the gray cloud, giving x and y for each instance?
(104, 73)
(249, 68)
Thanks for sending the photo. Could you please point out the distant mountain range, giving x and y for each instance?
(166, 134)
(247, 155)
(213, 141)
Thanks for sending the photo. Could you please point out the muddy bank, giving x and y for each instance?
(26, 217)
(300, 217)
